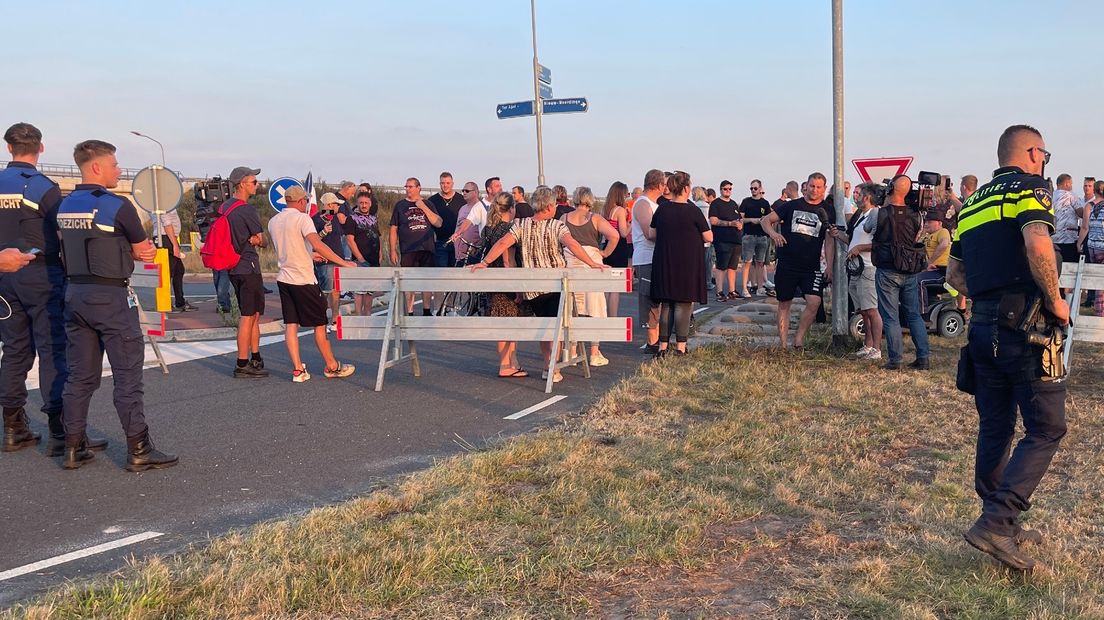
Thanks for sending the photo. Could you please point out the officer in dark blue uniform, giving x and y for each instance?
(101, 237)
(1003, 258)
(28, 205)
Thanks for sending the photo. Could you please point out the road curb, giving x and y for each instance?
(216, 333)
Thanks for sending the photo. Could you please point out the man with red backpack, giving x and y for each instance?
(246, 235)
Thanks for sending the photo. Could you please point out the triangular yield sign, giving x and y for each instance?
(879, 168)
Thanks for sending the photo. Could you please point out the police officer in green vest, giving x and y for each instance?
(1002, 257)
(101, 237)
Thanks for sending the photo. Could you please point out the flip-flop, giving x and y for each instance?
(517, 374)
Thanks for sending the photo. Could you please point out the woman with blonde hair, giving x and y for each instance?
(588, 229)
(617, 214)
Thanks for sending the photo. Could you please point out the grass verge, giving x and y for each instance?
(728, 483)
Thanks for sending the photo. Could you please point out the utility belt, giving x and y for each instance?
(1023, 313)
(121, 283)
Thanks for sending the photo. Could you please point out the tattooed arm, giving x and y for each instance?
(956, 276)
(1044, 268)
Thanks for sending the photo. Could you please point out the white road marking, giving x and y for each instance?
(76, 555)
(174, 352)
(702, 309)
(534, 408)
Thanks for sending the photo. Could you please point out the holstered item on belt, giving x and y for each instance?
(1024, 313)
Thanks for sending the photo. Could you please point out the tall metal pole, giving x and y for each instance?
(536, 97)
(839, 273)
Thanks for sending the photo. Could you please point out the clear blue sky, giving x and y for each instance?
(382, 90)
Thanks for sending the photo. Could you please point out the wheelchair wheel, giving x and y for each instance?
(856, 326)
(951, 324)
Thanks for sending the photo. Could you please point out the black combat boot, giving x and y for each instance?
(142, 455)
(55, 445)
(17, 435)
(76, 453)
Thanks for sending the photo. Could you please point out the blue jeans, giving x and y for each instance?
(442, 254)
(897, 293)
(222, 288)
(709, 266)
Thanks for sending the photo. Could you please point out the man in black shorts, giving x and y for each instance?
(412, 238)
(246, 235)
(727, 225)
(301, 298)
(803, 223)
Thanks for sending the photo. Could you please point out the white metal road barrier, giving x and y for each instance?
(395, 327)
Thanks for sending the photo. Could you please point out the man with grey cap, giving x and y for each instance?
(329, 223)
(246, 235)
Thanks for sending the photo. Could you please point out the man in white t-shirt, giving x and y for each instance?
(472, 214)
(643, 236)
(861, 286)
(294, 237)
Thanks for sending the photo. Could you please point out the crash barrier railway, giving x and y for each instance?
(154, 276)
(396, 327)
(1077, 277)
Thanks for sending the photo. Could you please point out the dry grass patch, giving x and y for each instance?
(729, 483)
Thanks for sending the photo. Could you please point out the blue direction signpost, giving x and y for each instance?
(514, 110)
(545, 75)
(545, 91)
(549, 106)
(563, 106)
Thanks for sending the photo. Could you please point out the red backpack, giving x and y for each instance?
(218, 251)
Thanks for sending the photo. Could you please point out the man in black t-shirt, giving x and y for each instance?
(724, 219)
(446, 203)
(330, 227)
(412, 237)
(802, 226)
(521, 208)
(247, 235)
(752, 210)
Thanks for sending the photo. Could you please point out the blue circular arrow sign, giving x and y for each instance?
(278, 189)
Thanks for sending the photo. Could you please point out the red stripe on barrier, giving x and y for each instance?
(338, 316)
(337, 279)
(160, 275)
(151, 332)
(628, 280)
(628, 329)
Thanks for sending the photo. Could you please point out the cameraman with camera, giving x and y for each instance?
(1003, 258)
(899, 256)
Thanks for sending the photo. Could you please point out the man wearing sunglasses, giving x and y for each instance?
(753, 209)
(1002, 257)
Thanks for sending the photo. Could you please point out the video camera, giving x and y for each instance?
(922, 195)
(215, 190)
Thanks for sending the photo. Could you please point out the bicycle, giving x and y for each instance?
(462, 303)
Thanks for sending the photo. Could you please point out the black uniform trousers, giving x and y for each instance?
(36, 326)
(97, 320)
(1007, 369)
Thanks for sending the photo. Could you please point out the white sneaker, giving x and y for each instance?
(599, 360)
(342, 370)
(874, 354)
(863, 352)
(301, 376)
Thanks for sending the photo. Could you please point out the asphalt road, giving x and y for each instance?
(257, 449)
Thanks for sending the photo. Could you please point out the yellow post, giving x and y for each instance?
(163, 299)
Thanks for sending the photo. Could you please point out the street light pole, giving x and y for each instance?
(839, 272)
(536, 96)
(142, 135)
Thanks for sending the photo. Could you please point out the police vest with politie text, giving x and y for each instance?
(23, 224)
(94, 251)
(989, 239)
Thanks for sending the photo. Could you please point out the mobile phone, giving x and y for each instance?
(34, 251)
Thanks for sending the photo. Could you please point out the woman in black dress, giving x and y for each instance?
(500, 218)
(678, 262)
